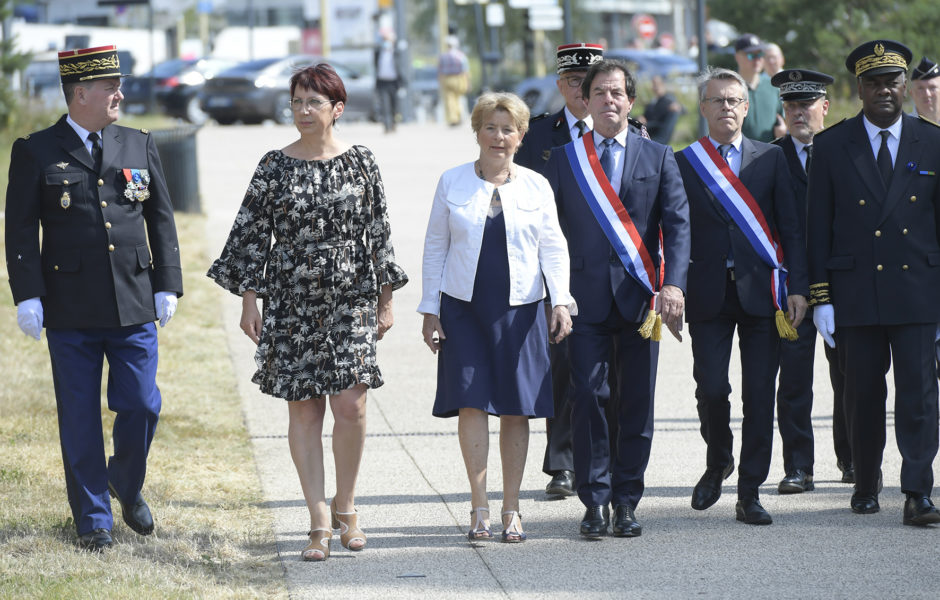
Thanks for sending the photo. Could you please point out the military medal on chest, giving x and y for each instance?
(138, 182)
(66, 200)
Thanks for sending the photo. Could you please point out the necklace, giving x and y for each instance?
(480, 173)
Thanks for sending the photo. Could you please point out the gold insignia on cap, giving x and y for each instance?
(879, 49)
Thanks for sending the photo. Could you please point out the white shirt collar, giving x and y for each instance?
(570, 119)
(736, 142)
(873, 130)
(620, 137)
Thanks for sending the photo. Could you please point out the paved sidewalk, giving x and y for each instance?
(413, 496)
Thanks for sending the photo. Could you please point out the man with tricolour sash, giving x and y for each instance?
(624, 212)
(747, 272)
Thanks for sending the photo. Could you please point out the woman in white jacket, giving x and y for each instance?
(493, 242)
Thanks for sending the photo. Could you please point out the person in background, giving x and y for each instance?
(662, 113)
(805, 106)
(874, 248)
(327, 285)
(492, 236)
(546, 132)
(388, 78)
(925, 87)
(107, 267)
(773, 59)
(453, 72)
(764, 121)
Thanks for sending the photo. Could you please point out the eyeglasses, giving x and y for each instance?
(731, 102)
(573, 81)
(754, 55)
(311, 104)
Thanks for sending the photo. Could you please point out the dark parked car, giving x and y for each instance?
(260, 89)
(176, 84)
(542, 96)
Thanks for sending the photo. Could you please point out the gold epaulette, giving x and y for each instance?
(538, 117)
(25, 137)
(926, 120)
(819, 293)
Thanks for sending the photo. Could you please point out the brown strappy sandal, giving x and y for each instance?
(319, 547)
(348, 525)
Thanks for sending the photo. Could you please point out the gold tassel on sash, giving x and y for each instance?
(784, 328)
(652, 327)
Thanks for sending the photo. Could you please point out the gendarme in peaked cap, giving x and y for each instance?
(577, 57)
(801, 84)
(927, 69)
(89, 63)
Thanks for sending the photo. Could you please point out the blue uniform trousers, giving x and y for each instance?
(77, 360)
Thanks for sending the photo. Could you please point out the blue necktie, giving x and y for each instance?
(607, 158)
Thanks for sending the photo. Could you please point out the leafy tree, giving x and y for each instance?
(818, 35)
(10, 62)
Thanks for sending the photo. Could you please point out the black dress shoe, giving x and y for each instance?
(595, 521)
(708, 489)
(749, 510)
(95, 541)
(865, 504)
(625, 524)
(562, 484)
(136, 515)
(919, 510)
(796, 482)
(848, 472)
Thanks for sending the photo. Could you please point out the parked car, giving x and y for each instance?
(541, 93)
(256, 90)
(176, 84)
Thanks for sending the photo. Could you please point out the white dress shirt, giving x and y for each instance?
(82, 133)
(570, 119)
(734, 156)
(619, 150)
(535, 243)
(874, 136)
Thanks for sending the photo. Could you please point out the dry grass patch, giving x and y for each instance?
(213, 538)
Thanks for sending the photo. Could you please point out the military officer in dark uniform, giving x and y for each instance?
(805, 106)
(925, 88)
(874, 257)
(107, 268)
(547, 132)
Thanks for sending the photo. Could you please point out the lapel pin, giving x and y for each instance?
(62, 165)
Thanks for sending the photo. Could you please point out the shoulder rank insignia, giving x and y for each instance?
(546, 154)
(25, 137)
(62, 165)
(538, 117)
(138, 181)
(926, 120)
(144, 131)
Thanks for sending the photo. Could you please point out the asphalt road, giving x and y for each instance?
(414, 499)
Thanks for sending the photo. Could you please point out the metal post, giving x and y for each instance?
(568, 17)
(325, 27)
(401, 40)
(151, 96)
(702, 58)
(481, 48)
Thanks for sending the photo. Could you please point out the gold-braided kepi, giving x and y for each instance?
(89, 63)
(877, 57)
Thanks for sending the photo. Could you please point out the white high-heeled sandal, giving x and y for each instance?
(480, 531)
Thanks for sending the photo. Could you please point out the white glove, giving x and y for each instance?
(824, 318)
(165, 303)
(29, 317)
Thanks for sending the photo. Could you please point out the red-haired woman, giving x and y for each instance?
(326, 283)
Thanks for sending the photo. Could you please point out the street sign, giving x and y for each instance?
(546, 23)
(545, 12)
(645, 26)
(495, 15)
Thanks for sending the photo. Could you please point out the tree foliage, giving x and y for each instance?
(11, 61)
(819, 34)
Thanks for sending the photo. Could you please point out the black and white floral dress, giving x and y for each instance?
(320, 280)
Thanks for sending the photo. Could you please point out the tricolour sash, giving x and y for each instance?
(617, 225)
(740, 204)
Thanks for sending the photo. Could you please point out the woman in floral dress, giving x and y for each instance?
(326, 285)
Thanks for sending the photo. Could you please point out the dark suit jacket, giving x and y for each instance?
(877, 249)
(652, 193)
(797, 174)
(545, 132)
(103, 256)
(765, 174)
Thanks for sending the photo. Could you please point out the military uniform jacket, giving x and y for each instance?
(103, 254)
(545, 132)
(874, 253)
(715, 236)
(797, 174)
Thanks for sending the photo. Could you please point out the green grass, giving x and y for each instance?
(213, 537)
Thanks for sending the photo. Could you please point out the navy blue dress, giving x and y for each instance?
(495, 357)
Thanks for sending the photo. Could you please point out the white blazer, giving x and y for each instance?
(535, 243)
